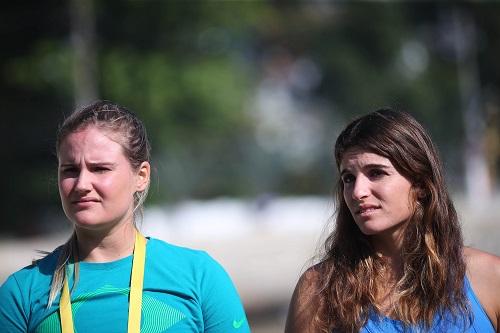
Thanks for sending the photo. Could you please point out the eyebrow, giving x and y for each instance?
(92, 164)
(367, 166)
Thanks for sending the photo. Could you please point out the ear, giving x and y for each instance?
(143, 175)
(420, 191)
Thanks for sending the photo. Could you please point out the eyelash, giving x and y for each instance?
(69, 170)
(376, 173)
(101, 169)
(75, 170)
(372, 174)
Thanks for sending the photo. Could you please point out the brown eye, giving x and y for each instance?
(348, 178)
(376, 173)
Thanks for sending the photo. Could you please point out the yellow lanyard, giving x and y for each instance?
(135, 298)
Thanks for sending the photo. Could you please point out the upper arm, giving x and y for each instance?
(221, 304)
(13, 318)
(304, 302)
(483, 270)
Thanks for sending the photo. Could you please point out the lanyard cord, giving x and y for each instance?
(136, 282)
(135, 298)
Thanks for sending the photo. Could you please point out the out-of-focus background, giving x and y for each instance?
(243, 101)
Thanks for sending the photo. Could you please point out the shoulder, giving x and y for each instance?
(22, 288)
(38, 268)
(483, 271)
(309, 280)
(304, 301)
(186, 259)
(482, 265)
(305, 295)
(157, 247)
(192, 267)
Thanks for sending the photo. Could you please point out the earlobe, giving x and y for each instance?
(143, 176)
(420, 191)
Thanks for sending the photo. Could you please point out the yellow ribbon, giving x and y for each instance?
(135, 298)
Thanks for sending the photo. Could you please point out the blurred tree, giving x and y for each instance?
(477, 176)
(240, 98)
(30, 104)
(84, 53)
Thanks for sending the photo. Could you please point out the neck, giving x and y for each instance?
(105, 246)
(389, 245)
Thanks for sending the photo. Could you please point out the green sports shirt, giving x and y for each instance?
(184, 291)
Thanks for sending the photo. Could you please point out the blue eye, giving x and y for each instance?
(101, 169)
(69, 171)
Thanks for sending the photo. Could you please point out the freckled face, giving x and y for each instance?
(377, 195)
(96, 181)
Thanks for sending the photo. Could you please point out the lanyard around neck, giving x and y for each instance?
(135, 298)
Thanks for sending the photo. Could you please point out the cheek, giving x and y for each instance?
(107, 184)
(404, 200)
(346, 194)
(65, 186)
(116, 186)
(350, 206)
(409, 204)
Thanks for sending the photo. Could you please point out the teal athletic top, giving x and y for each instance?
(480, 321)
(184, 291)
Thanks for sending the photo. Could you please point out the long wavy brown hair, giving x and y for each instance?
(432, 281)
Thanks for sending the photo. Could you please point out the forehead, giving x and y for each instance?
(356, 158)
(91, 141)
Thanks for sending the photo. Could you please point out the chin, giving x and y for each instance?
(86, 222)
(370, 230)
(88, 225)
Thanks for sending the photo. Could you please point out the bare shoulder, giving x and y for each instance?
(483, 270)
(311, 277)
(304, 302)
(481, 263)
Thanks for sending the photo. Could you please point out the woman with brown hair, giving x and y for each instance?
(395, 261)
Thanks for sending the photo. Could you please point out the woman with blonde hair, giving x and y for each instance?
(395, 261)
(108, 277)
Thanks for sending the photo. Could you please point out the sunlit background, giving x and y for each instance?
(243, 102)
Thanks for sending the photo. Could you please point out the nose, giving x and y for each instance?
(83, 183)
(361, 188)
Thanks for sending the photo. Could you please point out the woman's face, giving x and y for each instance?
(377, 195)
(96, 181)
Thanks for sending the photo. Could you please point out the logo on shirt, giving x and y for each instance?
(237, 323)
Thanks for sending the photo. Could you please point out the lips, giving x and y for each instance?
(84, 201)
(366, 209)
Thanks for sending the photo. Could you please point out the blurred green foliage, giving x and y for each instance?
(194, 71)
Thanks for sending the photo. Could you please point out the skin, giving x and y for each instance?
(379, 198)
(96, 186)
(303, 304)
